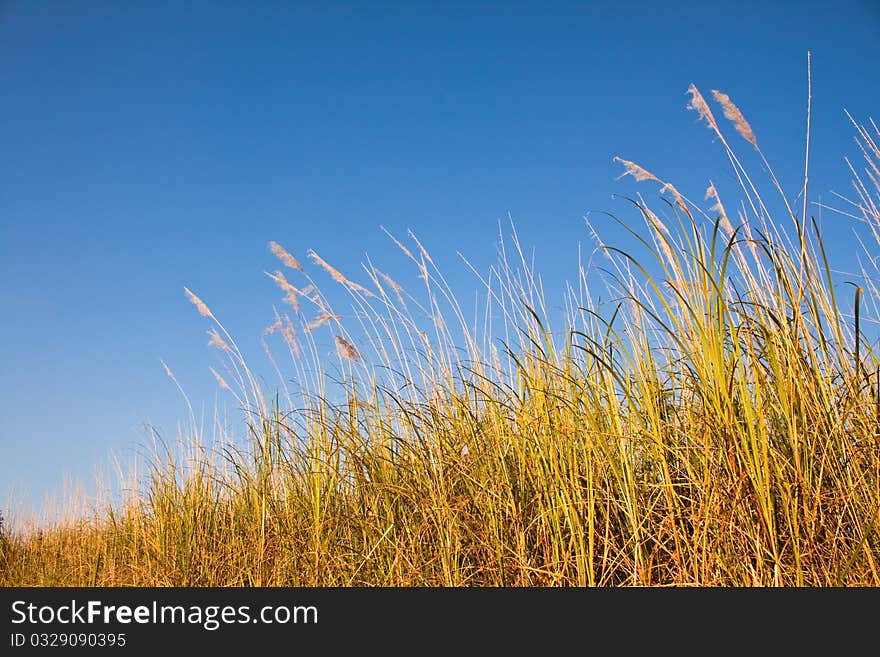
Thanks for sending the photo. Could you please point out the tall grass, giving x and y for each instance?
(717, 424)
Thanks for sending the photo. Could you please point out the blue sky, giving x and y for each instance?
(145, 146)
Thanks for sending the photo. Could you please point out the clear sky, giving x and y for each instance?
(145, 146)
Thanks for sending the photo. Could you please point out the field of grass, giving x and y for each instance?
(716, 424)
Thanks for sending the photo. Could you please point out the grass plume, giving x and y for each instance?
(732, 113)
(284, 256)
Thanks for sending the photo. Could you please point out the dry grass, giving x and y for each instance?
(284, 256)
(732, 113)
(718, 424)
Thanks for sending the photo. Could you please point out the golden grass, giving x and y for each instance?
(718, 424)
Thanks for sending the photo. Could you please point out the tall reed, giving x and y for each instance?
(717, 424)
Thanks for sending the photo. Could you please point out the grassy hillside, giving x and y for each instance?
(718, 423)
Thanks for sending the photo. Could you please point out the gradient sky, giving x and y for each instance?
(145, 146)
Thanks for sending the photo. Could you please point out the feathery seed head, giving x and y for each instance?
(217, 341)
(346, 349)
(167, 370)
(220, 379)
(337, 276)
(391, 282)
(269, 330)
(321, 319)
(732, 113)
(400, 246)
(698, 104)
(288, 332)
(712, 193)
(198, 303)
(679, 199)
(284, 256)
(289, 289)
(635, 171)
